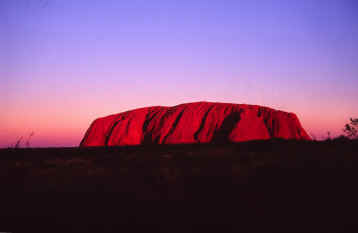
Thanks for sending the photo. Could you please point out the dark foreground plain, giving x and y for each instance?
(262, 186)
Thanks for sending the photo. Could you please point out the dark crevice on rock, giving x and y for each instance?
(174, 125)
(202, 124)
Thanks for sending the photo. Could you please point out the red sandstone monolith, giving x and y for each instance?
(200, 122)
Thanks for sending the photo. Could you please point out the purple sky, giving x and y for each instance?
(65, 63)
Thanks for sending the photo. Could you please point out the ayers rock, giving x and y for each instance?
(199, 122)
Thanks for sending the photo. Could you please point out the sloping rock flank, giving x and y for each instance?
(200, 122)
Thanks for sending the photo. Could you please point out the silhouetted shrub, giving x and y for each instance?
(351, 129)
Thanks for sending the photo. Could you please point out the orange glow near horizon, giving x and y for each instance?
(57, 127)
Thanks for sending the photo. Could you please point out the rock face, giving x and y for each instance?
(199, 122)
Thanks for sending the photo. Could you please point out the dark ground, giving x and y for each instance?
(272, 186)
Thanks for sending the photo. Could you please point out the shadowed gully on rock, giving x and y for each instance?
(200, 122)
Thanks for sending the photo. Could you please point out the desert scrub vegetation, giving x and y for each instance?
(351, 129)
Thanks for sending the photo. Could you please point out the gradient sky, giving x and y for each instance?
(64, 63)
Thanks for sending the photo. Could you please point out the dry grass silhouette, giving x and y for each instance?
(27, 143)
